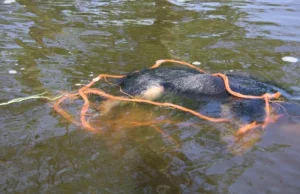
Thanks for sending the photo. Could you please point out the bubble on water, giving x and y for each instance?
(22, 69)
(9, 1)
(91, 75)
(12, 71)
(78, 84)
(290, 59)
(196, 63)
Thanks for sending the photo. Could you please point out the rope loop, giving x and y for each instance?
(86, 90)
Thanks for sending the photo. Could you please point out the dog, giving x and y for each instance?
(203, 88)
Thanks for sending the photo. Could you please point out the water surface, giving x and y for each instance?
(54, 45)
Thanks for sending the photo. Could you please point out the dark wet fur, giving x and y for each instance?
(198, 86)
(184, 81)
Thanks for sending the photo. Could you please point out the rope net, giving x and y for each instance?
(86, 90)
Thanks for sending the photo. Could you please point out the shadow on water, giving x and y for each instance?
(54, 45)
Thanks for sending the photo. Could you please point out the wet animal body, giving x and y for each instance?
(213, 97)
(151, 84)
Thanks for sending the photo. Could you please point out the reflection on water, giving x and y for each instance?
(54, 45)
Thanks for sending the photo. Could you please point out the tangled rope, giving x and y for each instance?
(86, 90)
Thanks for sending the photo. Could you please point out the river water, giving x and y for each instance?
(53, 46)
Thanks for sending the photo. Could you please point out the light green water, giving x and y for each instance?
(55, 44)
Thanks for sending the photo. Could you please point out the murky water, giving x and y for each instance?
(52, 45)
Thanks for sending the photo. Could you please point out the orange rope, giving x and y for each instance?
(63, 113)
(165, 104)
(159, 62)
(246, 128)
(236, 94)
(84, 91)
